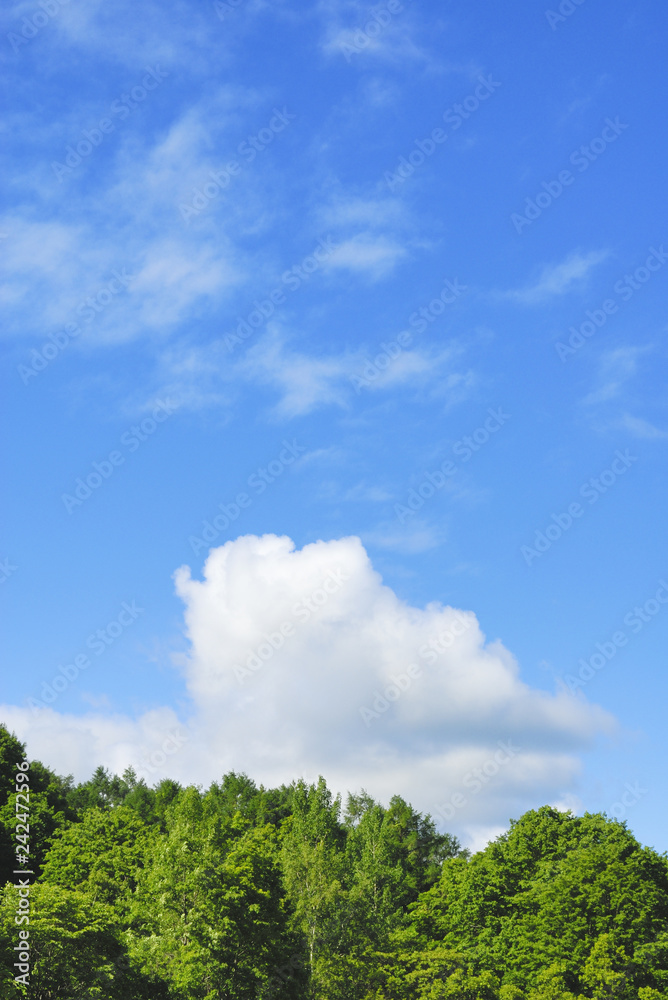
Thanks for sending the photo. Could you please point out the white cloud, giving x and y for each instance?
(299, 712)
(370, 33)
(643, 428)
(367, 253)
(347, 210)
(418, 364)
(558, 279)
(414, 537)
(132, 221)
(307, 382)
(364, 493)
(126, 33)
(173, 277)
(353, 43)
(75, 744)
(616, 369)
(374, 232)
(56, 267)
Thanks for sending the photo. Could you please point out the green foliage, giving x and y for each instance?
(103, 856)
(103, 791)
(237, 793)
(576, 896)
(211, 914)
(313, 867)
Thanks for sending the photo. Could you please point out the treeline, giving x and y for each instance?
(247, 893)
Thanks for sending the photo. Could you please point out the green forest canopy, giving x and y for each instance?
(241, 892)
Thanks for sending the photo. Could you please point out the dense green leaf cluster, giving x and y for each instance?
(245, 893)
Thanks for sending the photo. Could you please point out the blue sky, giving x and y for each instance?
(410, 261)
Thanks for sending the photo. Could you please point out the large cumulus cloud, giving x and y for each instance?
(303, 662)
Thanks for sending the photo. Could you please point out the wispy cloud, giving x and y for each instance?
(375, 232)
(305, 382)
(643, 428)
(616, 368)
(410, 539)
(610, 401)
(354, 31)
(379, 212)
(558, 279)
(363, 492)
(199, 375)
(368, 254)
(127, 33)
(130, 220)
(391, 46)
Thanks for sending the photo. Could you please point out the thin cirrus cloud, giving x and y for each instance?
(616, 391)
(642, 428)
(392, 45)
(306, 382)
(377, 212)
(616, 368)
(54, 265)
(367, 253)
(96, 28)
(297, 651)
(353, 30)
(373, 232)
(558, 279)
(409, 539)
